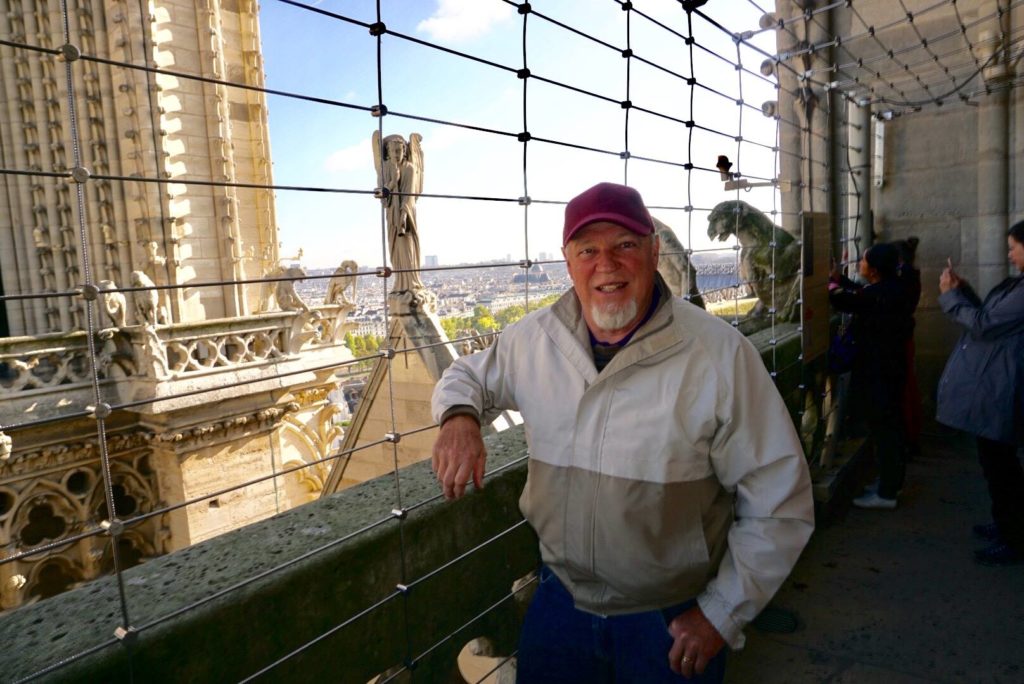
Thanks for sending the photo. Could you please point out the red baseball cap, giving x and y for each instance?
(618, 204)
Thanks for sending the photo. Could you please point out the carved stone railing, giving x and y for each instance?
(46, 362)
(51, 374)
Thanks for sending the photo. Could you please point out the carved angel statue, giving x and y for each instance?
(114, 303)
(399, 165)
(147, 302)
(344, 278)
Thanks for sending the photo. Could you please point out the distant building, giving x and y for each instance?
(536, 275)
(430, 261)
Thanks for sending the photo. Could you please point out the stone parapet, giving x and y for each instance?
(229, 607)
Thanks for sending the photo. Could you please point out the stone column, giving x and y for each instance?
(993, 164)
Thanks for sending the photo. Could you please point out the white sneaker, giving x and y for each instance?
(873, 488)
(872, 500)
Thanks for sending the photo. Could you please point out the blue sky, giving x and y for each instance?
(328, 146)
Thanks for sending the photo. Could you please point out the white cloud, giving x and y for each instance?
(457, 20)
(352, 158)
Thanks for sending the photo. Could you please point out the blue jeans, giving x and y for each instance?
(561, 644)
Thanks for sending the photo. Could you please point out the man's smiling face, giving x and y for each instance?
(612, 270)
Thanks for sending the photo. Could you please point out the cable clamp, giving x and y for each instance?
(688, 166)
(525, 263)
(523, 73)
(688, 208)
(90, 292)
(738, 138)
(399, 513)
(100, 411)
(626, 104)
(378, 110)
(402, 588)
(381, 193)
(115, 528)
(689, 124)
(524, 8)
(626, 6)
(387, 353)
(627, 53)
(80, 174)
(624, 155)
(393, 437)
(69, 52)
(525, 201)
(126, 634)
(524, 137)
(688, 40)
(378, 28)
(383, 272)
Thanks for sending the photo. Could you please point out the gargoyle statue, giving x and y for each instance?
(760, 259)
(675, 267)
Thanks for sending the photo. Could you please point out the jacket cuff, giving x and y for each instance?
(719, 614)
(459, 410)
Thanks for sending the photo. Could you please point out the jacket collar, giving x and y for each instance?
(573, 338)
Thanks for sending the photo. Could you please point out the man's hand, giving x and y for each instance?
(459, 456)
(696, 643)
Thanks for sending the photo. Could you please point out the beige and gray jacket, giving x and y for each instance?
(674, 473)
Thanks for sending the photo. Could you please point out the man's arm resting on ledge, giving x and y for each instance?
(459, 452)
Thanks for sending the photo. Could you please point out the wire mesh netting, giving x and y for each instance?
(164, 374)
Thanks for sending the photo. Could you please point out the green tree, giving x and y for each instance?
(509, 315)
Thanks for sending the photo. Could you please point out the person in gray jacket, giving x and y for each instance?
(982, 392)
(667, 484)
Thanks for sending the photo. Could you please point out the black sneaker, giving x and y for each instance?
(986, 531)
(998, 554)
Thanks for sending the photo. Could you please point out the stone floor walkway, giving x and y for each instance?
(894, 596)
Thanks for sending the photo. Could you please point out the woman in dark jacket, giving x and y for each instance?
(982, 392)
(880, 327)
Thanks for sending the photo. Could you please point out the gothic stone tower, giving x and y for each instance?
(167, 395)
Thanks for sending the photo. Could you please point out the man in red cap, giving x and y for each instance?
(667, 485)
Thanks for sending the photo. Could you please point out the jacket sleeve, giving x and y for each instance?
(1004, 317)
(483, 381)
(757, 454)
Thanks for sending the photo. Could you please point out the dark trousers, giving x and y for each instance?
(1005, 479)
(885, 430)
(561, 644)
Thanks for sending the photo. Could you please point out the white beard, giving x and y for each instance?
(617, 318)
